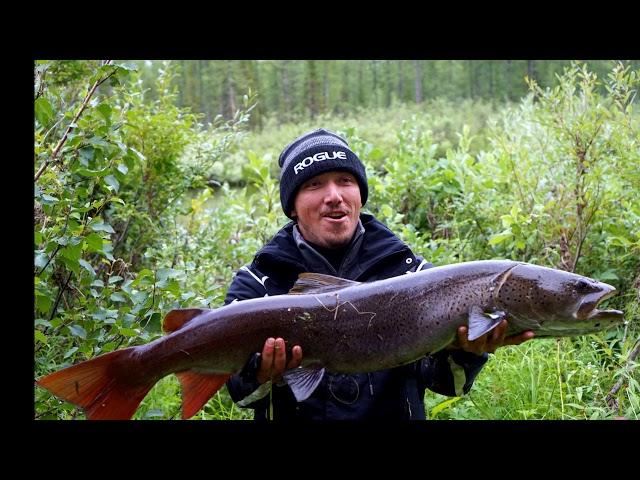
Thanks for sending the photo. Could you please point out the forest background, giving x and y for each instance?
(156, 180)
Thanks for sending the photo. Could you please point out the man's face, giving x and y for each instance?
(327, 208)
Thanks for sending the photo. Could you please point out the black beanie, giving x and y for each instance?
(314, 153)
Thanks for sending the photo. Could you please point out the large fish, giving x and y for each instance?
(342, 326)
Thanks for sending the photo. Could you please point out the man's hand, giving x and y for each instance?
(490, 341)
(273, 360)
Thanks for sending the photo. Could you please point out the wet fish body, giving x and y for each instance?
(344, 326)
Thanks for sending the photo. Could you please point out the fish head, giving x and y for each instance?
(554, 302)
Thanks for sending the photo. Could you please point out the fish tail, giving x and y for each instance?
(99, 386)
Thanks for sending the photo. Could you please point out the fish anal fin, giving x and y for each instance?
(318, 283)
(481, 322)
(176, 319)
(303, 381)
(197, 389)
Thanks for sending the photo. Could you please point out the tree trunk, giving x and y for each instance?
(400, 80)
(199, 106)
(418, 82)
(258, 112)
(286, 89)
(388, 87)
(344, 95)
(508, 74)
(374, 68)
(451, 89)
(312, 88)
(491, 79)
(325, 86)
(531, 70)
(231, 93)
(361, 95)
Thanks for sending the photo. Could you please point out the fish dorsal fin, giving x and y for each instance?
(319, 283)
(481, 322)
(176, 319)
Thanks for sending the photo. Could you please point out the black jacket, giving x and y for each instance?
(375, 253)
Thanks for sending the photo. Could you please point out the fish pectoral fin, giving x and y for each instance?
(176, 319)
(303, 381)
(481, 322)
(197, 389)
(319, 283)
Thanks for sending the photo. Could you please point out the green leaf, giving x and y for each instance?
(85, 172)
(128, 332)
(156, 412)
(70, 352)
(94, 242)
(154, 322)
(500, 237)
(117, 297)
(97, 283)
(72, 252)
(97, 225)
(112, 182)
(443, 405)
(41, 260)
(98, 142)
(164, 273)
(87, 266)
(114, 279)
(187, 296)
(41, 337)
(608, 275)
(128, 66)
(86, 155)
(43, 303)
(123, 169)
(375, 154)
(43, 111)
(42, 322)
(105, 110)
(49, 200)
(78, 331)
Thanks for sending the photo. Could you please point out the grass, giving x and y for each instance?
(549, 379)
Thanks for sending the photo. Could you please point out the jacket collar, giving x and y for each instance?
(373, 242)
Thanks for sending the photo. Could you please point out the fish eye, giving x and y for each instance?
(581, 286)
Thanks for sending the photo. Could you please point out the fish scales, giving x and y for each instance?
(342, 326)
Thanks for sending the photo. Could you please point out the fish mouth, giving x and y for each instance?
(589, 308)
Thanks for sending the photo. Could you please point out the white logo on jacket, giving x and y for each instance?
(318, 157)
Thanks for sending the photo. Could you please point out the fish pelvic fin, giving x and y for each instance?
(319, 283)
(481, 322)
(197, 389)
(98, 386)
(176, 319)
(303, 381)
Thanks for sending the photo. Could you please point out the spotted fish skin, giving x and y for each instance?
(342, 327)
(372, 326)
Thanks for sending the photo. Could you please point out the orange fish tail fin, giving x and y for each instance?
(197, 389)
(98, 386)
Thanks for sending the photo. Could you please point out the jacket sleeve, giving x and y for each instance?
(451, 372)
(244, 387)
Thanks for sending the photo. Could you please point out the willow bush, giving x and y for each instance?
(146, 209)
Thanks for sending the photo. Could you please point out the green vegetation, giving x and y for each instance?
(140, 206)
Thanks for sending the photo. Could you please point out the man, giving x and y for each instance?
(323, 186)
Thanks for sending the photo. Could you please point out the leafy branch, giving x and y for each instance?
(72, 124)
